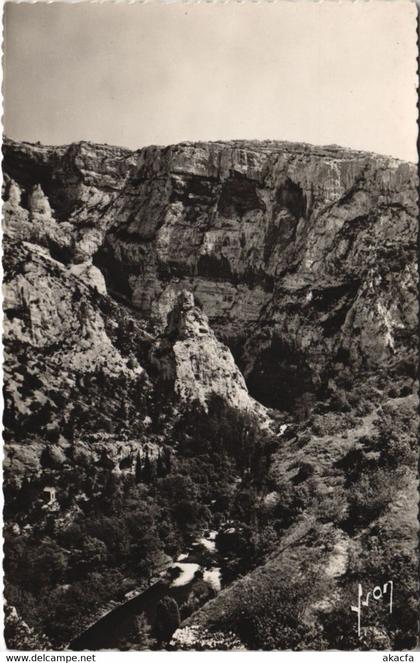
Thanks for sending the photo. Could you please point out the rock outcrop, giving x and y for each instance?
(19, 635)
(198, 366)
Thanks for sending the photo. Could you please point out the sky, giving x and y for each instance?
(141, 74)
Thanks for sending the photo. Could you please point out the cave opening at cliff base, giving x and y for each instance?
(281, 379)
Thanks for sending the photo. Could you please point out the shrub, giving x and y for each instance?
(339, 402)
(138, 637)
(290, 503)
(397, 452)
(271, 614)
(368, 497)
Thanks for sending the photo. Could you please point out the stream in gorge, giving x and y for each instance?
(178, 580)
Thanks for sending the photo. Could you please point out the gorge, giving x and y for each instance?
(210, 335)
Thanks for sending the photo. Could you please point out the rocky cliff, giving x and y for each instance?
(173, 306)
(303, 258)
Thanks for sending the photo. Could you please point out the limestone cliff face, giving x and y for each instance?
(303, 258)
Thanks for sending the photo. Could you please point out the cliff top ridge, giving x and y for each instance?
(256, 145)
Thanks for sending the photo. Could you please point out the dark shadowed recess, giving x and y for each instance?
(115, 274)
(42, 169)
(239, 195)
(280, 377)
(290, 196)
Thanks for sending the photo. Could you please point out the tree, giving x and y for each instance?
(167, 459)
(160, 466)
(92, 555)
(138, 472)
(167, 619)
(149, 471)
(42, 566)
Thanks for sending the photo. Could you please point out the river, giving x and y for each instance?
(177, 581)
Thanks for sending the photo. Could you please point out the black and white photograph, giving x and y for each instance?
(210, 327)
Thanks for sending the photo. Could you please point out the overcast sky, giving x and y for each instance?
(153, 73)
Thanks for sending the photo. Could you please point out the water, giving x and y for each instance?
(188, 571)
(209, 542)
(213, 577)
